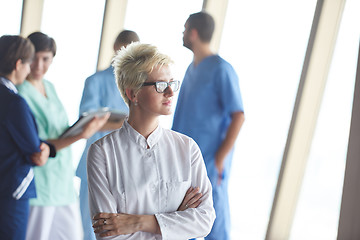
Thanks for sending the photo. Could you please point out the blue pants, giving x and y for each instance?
(14, 218)
(85, 212)
(221, 227)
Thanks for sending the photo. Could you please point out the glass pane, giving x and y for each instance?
(318, 210)
(10, 17)
(77, 32)
(266, 43)
(161, 23)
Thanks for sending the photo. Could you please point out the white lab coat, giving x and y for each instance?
(125, 176)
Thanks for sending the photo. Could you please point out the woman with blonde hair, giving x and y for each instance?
(147, 182)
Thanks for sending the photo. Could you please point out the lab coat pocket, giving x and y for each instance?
(175, 194)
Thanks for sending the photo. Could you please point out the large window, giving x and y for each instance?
(10, 17)
(266, 42)
(77, 34)
(318, 210)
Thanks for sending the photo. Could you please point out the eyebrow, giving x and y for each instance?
(162, 80)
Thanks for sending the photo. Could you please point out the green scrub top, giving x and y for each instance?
(55, 180)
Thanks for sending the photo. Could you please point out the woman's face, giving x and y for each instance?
(40, 64)
(149, 100)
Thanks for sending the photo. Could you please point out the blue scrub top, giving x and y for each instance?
(100, 91)
(209, 94)
(18, 140)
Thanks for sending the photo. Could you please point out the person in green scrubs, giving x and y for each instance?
(54, 214)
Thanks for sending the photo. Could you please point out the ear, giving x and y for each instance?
(130, 93)
(18, 64)
(194, 34)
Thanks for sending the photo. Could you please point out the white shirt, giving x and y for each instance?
(125, 176)
(7, 83)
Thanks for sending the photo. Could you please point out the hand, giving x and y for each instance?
(94, 125)
(111, 224)
(40, 158)
(220, 168)
(191, 199)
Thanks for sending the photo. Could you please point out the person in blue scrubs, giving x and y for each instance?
(100, 91)
(210, 110)
(20, 146)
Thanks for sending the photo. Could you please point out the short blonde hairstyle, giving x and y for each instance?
(133, 63)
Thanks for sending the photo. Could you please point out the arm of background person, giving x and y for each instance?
(90, 128)
(22, 128)
(41, 158)
(237, 120)
(90, 101)
(109, 125)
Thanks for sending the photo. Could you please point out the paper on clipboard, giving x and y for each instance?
(77, 127)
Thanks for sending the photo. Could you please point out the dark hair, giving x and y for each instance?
(126, 37)
(204, 24)
(13, 48)
(43, 42)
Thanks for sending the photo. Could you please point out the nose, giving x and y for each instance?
(168, 91)
(35, 64)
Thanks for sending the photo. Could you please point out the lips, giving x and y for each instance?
(167, 103)
(36, 75)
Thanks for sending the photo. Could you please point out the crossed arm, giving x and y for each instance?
(111, 224)
(188, 215)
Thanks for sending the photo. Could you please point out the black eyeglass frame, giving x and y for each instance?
(162, 82)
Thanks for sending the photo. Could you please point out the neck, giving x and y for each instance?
(33, 80)
(201, 51)
(38, 84)
(12, 78)
(144, 125)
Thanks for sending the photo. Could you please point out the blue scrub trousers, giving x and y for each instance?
(14, 218)
(85, 212)
(221, 227)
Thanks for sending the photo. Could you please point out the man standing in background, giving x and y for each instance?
(210, 110)
(100, 91)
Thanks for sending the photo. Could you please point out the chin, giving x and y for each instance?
(167, 113)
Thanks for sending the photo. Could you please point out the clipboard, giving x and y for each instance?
(86, 117)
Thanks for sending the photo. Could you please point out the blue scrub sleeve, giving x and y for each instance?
(229, 90)
(22, 127)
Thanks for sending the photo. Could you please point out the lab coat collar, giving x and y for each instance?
(139, 139)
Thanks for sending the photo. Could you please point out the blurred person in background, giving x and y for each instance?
(20, 146)
(54, 214)
(210, 110)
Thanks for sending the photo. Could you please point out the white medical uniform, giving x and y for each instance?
(130, 174)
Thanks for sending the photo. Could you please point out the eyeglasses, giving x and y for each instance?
(161, 86)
